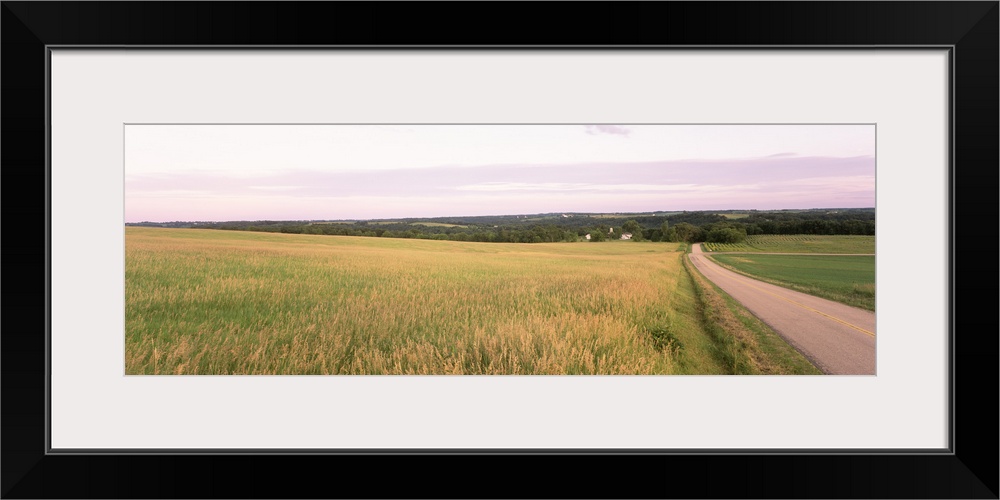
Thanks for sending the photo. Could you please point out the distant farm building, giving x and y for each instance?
(626, 236)
(587, 237)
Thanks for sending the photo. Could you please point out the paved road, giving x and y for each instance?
(838, 339)
(788, 253)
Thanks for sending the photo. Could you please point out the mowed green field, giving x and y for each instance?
(228, 302)
(798, 243)
(849, 279)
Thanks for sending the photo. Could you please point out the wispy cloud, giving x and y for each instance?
(781, 182)
(276, 188)
(576, 187)
(179, 193)
(607, 129)
(844, 182)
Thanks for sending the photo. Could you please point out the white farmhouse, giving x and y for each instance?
(626, 236)
(587, 237)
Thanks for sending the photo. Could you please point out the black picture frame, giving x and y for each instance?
(968, 470)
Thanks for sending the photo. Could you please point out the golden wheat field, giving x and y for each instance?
(227, 302)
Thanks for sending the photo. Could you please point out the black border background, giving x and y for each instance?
(971, 472)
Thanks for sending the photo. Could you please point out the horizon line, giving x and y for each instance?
(624, 214)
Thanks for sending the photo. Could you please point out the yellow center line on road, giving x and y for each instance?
(838, 320)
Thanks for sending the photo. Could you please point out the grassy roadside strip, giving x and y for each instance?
(866, 302)
(746, 345)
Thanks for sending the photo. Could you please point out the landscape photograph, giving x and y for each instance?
(506, 249)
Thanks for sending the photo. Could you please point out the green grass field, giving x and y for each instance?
(233, 302)
(798, 243)
(848, 279)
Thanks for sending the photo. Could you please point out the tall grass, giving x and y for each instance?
(217, 302)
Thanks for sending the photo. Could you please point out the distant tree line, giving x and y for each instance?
(546, 228)
(547, 233)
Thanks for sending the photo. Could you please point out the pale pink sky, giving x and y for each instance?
(254, 172)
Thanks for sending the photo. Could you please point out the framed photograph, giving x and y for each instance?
(358, 249)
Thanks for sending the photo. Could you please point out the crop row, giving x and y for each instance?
(799, 244)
